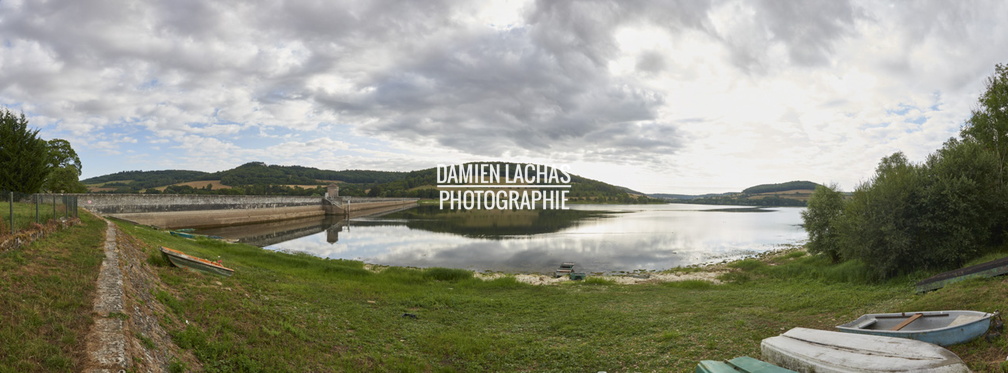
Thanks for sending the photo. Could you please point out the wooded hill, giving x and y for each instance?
(260, 178)
(792, 193)
(249, 178)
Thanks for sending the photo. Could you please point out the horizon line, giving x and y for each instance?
(504, 186)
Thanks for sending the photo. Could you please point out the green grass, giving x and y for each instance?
(46, 292)
(295, 312)
(25, 214)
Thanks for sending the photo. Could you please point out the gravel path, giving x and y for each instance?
(106, 342)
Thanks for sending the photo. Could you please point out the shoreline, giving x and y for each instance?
(702, 272)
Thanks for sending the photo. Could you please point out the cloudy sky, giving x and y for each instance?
(661, 96)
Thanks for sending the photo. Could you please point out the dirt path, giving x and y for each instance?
(106, 343)
(127, 335)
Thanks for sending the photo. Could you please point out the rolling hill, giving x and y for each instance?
(260, 178)
(792, 193)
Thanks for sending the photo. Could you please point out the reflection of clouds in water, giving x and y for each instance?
(647, 238)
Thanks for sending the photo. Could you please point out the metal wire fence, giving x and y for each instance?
(20, 211)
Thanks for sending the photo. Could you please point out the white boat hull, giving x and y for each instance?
(821, 351)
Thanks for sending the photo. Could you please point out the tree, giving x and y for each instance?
(988, 124)
(23, 155)
(821, 219)
(880, 224)
(988, 127)
(64, 166)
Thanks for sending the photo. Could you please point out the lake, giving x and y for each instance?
(599, 238)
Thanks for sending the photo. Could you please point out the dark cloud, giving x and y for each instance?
(538, 90)
(807, 28)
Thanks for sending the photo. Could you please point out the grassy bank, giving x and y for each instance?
(291, 312)
(46, 292)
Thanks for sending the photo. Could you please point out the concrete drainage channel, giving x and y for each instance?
(106, 342)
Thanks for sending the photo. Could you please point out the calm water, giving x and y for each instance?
(599, 238)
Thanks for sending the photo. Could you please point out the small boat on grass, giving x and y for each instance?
(821, 351)
(741, 364)
(989, 269)
(194, 235)
(181, 234)
(943, 328)
(183, 260)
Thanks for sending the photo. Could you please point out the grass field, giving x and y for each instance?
(25, 214)
(46, 293)
(295, 312)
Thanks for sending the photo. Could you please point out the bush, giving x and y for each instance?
(821, 220)
(447, 274)
(748, 265)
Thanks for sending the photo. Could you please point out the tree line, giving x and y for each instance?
(935, 215)
(29, 164)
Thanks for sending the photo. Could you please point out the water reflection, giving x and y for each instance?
(600, 238)
(494, 224)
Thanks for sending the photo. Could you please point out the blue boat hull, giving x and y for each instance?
(944, 328)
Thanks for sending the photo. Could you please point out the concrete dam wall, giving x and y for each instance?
(172, 211)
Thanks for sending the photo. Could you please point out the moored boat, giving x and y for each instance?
(821, 351)
(183, 260)
(566, 268)
(939, 327)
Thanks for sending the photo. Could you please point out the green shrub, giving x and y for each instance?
(447, 274)
(748, 265)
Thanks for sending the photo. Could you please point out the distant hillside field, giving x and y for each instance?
(792, 193)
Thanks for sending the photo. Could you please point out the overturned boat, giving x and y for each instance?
(821, 351)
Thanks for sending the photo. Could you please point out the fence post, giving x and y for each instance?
(54, 207)
(11, 204)
(37, 221)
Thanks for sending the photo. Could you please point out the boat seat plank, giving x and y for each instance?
(741, 364)
(713, 366)
(907, 321)
(867, 323)
(964, 319)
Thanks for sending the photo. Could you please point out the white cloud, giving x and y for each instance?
(694, 96)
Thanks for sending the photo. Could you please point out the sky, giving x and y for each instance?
(667, 96)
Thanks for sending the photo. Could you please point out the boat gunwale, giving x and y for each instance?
(172, 253)
(895, 315)
(944, 335)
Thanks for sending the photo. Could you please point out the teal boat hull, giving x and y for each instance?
(742, 364)
(943, 328)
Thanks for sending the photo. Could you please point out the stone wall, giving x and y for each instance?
(218, 218)
(170, 211)
(141, 203)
